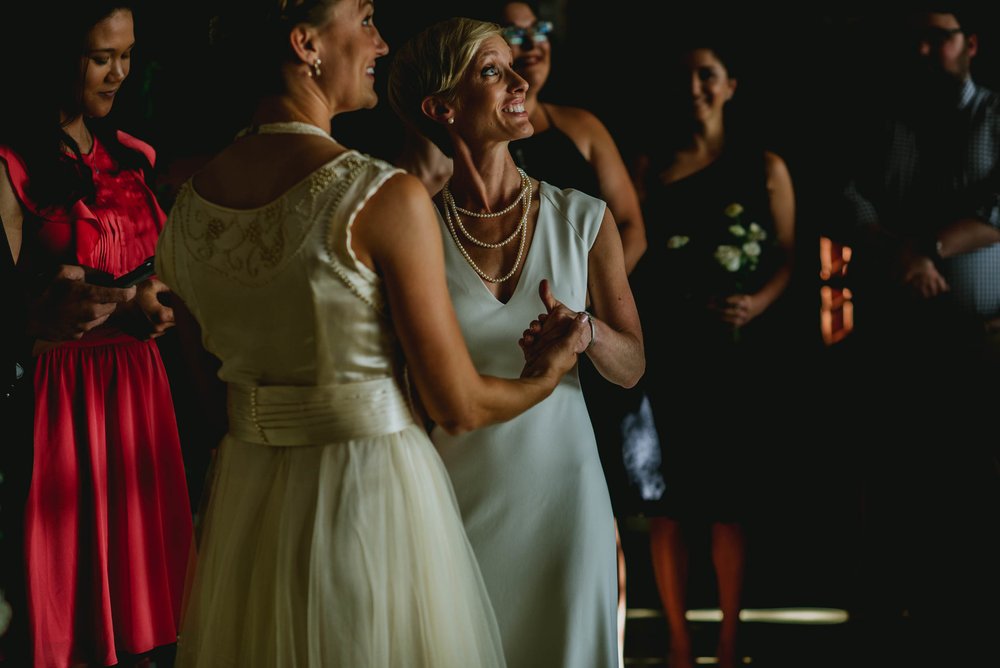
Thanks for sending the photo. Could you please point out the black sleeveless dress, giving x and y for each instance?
(551, 156)
(687, 444)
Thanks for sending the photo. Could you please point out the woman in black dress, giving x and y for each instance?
(720, 224)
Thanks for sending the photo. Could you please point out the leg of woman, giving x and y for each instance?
(670, 565)
(621, 598)
(729, 557)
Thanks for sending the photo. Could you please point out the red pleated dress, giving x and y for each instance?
(108, 523)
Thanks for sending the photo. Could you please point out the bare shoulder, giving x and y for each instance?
(401, 191)
(400, 208)
(256, 170)
(573, 120)
(775, 165)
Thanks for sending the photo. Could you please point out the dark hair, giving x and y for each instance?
(725, 47)
(34, 129)
(498, 8)
(962, 11)
(251, 40)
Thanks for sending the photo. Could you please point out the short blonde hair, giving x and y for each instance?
(432, 63)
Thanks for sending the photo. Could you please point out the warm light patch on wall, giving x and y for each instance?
(833, 258)
(836, 317)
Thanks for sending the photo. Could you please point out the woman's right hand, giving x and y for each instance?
(68, 307)
(147, 317)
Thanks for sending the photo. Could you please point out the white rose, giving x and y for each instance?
(734, 210)
(737, 230)
(757, 233)
(752, 249)
(678, 241)
(729, 257)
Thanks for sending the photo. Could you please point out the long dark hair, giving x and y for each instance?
(32, 128)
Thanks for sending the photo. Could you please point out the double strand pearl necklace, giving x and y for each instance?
(451, 216)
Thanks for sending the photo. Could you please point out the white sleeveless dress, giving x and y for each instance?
(332, 537)
(532, 492)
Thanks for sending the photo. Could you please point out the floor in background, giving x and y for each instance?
(773, 581)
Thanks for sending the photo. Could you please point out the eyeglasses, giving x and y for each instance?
(936, 36)
(538, 32)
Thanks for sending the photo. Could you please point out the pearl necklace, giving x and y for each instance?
(525, 184)
(284, 128)
(449, 202)
(452, 210)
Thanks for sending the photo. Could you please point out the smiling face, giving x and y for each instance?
(529, 44)
(489, 99)
(349, 46)
(106, 62)
(710, 84)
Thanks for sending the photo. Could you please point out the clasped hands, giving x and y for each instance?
(68, 307)
(919, 273)
(559, 332)
(736, 310)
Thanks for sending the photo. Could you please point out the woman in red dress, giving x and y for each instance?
(108, 523)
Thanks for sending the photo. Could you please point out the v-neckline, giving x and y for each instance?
(471, 274)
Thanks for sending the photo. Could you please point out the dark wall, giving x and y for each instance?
(809, 77)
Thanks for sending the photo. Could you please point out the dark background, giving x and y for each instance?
(811, 80)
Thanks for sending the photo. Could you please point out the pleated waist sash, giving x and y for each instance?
(285, 415)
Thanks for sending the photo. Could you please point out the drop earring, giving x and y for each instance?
(314, 71)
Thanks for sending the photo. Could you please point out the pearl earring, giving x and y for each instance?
(314, 70)
(451, 120)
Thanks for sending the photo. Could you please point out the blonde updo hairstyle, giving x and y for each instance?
(432, 64)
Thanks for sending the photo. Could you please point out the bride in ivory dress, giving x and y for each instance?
(332, 536)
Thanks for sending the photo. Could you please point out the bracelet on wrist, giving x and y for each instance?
(593, 330)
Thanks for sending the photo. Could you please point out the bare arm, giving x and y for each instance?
(916, 264)
(966, 235)
(10, 212)
(66, 307)
(781, 196)
(597, 145)
(397, 233)
(617, 351)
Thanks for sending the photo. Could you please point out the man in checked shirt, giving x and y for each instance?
(929, 202)
(926, 204)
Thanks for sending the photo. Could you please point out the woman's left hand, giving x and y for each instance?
(738, 310)
(148, 317)
(558, 321)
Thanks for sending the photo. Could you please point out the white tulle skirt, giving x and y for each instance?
(350, 554)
